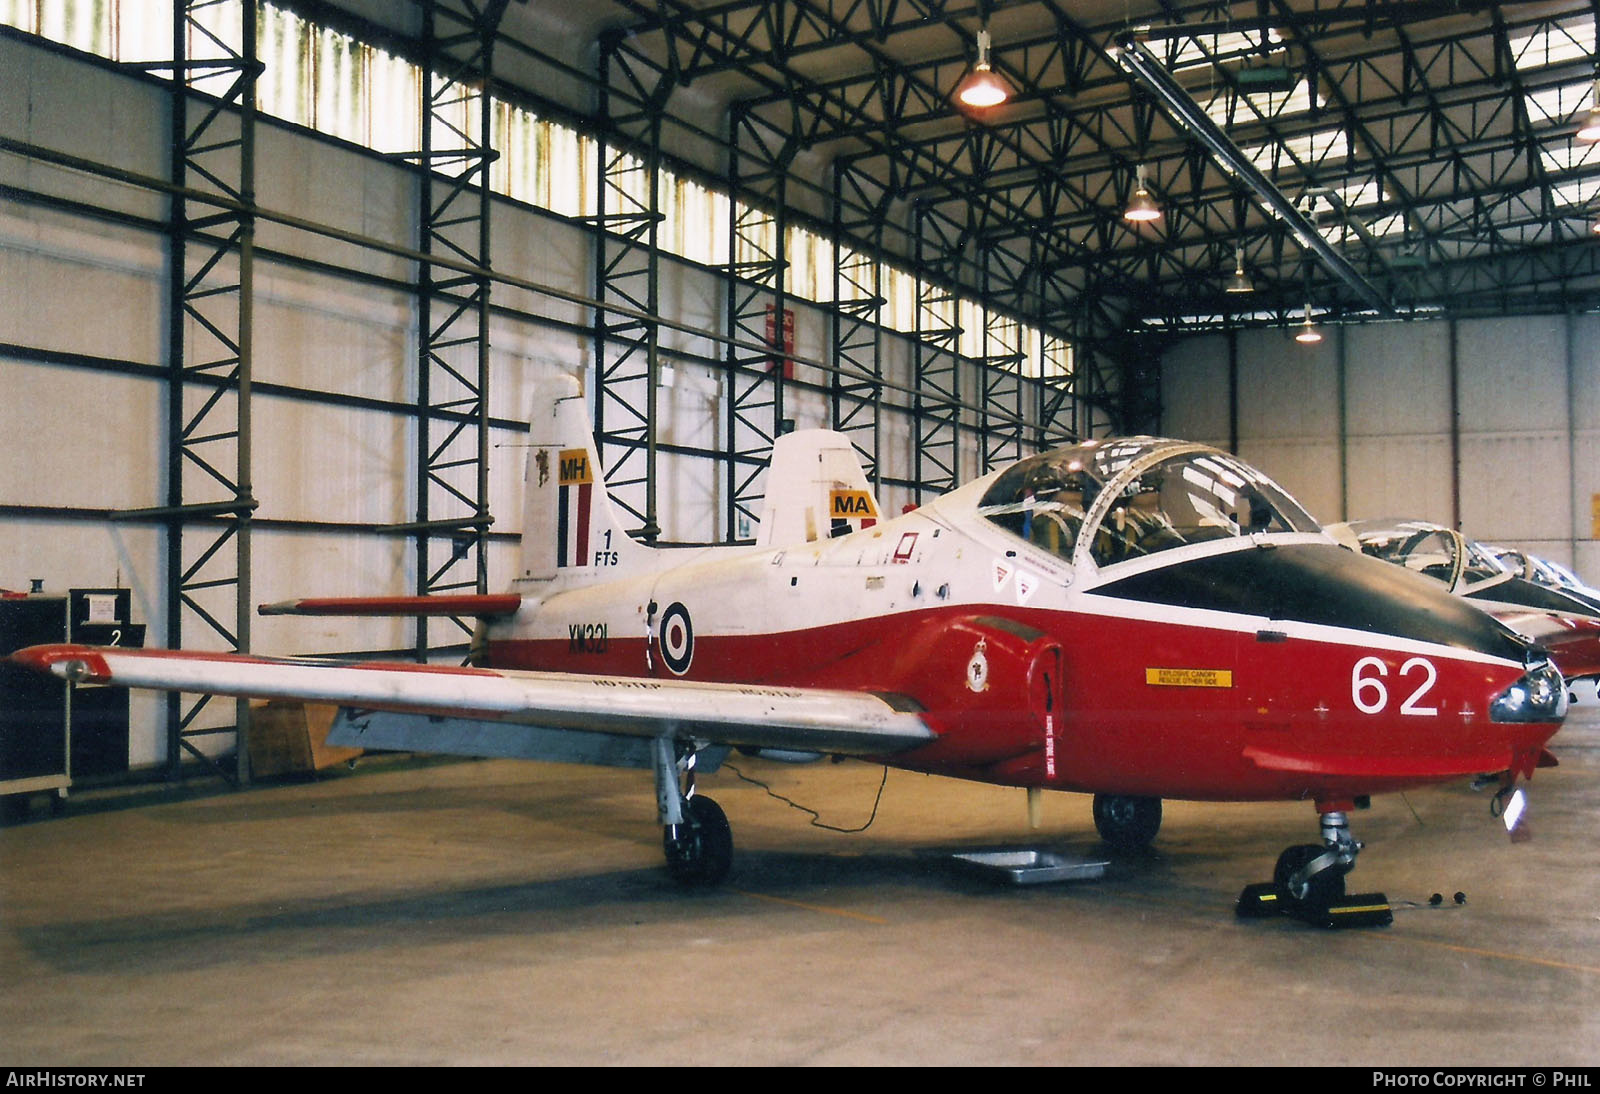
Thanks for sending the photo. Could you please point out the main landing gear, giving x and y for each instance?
(695, 835)
(1308, 883)
(1125, 822)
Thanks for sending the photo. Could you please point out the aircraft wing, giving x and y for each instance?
(812, 719)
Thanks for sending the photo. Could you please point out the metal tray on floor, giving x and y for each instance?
(1030, 866)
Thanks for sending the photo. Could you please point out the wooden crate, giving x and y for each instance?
(289, 737)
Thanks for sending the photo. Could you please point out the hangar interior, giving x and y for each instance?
(648, 186)
(277, 280)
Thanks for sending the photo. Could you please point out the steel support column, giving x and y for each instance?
(1000, 376)
(936, 363)
(758, 163)
(1057, 390)
(209, 496)
(627, 262)
(858, 304)
(452, 461)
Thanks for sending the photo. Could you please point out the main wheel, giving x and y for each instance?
(700, 850)
(1315, 893)
(1126, 822)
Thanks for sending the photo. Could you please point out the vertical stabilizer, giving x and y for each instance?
(569, 526)
(815, 490)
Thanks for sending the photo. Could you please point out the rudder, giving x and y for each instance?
(569, 525)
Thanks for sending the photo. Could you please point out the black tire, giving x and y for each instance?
(700, 852)
(1319, 891)
(1125, 822)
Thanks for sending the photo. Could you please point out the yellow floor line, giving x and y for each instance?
(1522, 958)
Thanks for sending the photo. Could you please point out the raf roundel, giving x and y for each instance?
(677, 639)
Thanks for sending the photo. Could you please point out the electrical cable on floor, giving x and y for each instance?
(1414, 815)
(1436, 901)
(816, 818)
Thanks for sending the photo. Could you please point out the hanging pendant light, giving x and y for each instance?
(1239, 281)
(1590, 131)
(1142, 208)
(1308, 334)
(982, 87)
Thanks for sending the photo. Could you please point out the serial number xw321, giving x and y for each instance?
(586, 638)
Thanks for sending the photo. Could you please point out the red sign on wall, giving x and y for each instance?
(787, 345)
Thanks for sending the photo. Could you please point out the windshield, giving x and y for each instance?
(1193, 496)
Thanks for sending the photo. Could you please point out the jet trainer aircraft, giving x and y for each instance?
(1135, 619)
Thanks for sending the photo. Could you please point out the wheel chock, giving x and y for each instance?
(1260, 902)
(1263, 900)
(1356, 910)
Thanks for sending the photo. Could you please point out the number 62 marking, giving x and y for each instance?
(1371, 695)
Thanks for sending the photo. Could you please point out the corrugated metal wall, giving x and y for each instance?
(1492, 424)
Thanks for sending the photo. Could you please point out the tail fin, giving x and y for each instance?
(568, 525)
(816, 489)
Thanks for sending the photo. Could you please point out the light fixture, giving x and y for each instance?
(1590, 130)
(1594, 226)
(1142, 208)
(1239, 281)
(982, 87)
(1308, 335)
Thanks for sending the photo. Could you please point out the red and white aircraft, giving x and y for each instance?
(1137, 619)
(1563, 618)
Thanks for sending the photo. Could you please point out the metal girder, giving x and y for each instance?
(1001, 361)
(452, 434)
(858, 303)
(936, 363)
(209, 492)
(1136, 59)
(627, 265)
(1424, 92)
(758, 309)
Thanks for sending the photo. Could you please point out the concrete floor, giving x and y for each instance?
(424, 912)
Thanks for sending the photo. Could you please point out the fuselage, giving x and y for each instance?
(1267, 665)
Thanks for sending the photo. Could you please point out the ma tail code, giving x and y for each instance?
(852, 503)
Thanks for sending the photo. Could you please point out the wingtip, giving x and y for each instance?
(79, 664)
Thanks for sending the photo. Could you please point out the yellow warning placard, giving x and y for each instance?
(1594, 516)
(575, 467)
(850, 504)
(1189, 678)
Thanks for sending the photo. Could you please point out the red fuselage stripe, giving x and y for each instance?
(585, 496)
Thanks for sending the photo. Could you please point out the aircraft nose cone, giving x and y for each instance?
(1539, 696)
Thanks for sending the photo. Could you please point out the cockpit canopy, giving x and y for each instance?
(1113, 501)
(1441, 553)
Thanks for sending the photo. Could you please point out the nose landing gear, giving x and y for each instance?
(1308, 883)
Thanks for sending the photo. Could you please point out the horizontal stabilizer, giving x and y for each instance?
(478, 606)
(817, 719)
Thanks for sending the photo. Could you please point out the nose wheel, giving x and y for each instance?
(1308, 883)
(1309, 879)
